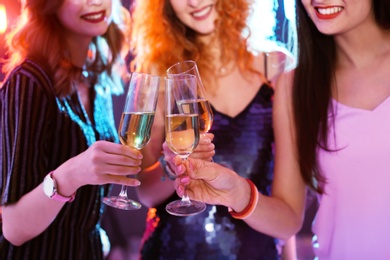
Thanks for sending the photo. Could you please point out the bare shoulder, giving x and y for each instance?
(281, 60)
(275, 63)
(286, 79)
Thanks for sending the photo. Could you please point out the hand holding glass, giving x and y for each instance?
(182, 131)
(135, 125)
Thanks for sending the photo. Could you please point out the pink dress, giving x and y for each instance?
(353, 220)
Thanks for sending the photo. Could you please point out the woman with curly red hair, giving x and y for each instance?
(238, 83)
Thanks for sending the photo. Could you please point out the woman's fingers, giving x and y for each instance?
(116, 149)
(205, 149)
(122, 180)
(106, 162)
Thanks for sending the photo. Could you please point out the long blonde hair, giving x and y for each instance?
(160, 39)
(38, 36)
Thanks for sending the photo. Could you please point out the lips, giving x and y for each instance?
(95, 17)
(328, 12)
(202, 13)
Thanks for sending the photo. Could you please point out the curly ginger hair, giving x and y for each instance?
(160, 39)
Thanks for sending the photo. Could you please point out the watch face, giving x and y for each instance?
(48, 186)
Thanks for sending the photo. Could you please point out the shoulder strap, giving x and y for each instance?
(265, 54)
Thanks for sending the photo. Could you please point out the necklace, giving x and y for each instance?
(84, 73)
(225, 70)
(222, 70)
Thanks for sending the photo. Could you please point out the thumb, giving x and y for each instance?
(201, 169)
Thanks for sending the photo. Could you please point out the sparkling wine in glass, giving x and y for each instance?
(206, 115)
(135, 125)
(182, 132)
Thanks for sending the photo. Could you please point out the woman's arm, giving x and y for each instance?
(104, 162)
(280, 215)
(284, 211)
(289, 249)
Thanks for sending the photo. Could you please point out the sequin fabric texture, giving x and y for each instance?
(243, 143)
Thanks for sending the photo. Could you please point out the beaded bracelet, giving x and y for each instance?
(168, 172)
(250, 208)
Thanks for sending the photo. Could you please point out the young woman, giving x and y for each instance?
(57, 131)
(331, 119)
(239, 90)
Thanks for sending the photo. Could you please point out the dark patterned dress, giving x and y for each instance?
(245, 144)
(38, 132)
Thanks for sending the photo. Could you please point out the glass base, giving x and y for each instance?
(121, 203)
(185, 208)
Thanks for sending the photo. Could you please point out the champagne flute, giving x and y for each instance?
(182, 131)
(135, 125)
(206, 115)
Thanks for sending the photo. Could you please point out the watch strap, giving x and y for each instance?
(58, 197)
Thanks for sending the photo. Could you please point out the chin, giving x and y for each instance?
(207, 31)
(98, 32)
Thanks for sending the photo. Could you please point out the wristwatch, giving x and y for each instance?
(50, 189)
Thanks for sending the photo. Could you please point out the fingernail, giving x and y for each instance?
(180, 168)
(185, 179)
(137, 183)
(180, 189)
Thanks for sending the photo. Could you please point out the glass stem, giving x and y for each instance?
(123, 193)
(185, 198)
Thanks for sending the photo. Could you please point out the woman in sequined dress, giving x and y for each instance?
(56, 120)
(238, 85)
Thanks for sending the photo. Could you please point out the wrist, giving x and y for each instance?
(51, 189)
(251, 197)
(67, 183)
(168, 172)
(239, 196)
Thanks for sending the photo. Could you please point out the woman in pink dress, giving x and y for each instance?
(332, 132)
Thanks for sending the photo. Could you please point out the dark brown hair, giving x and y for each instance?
(314, 77)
